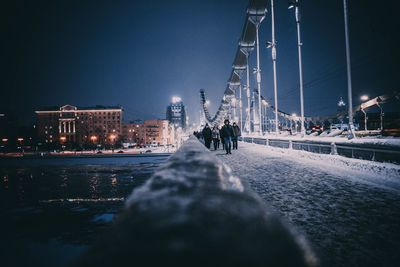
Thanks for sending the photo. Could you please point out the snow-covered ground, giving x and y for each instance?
(349, 209)
(372, 140)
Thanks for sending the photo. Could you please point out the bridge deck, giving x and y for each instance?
(349, 209)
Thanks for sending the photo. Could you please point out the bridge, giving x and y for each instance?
(253, 112)
(270, 202)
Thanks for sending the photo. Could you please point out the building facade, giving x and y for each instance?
(148, 133)
(79, 126)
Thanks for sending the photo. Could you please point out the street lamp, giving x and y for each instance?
(296, 4)
(263, 124)
(93, 138)
(112, 138)
(364, 98)
(351, 134)
(273, 52)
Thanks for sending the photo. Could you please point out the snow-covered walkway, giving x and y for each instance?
(348, 209)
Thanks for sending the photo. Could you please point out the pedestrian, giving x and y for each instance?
(222, 139)
(207, 136)
(237, 133)
(215, 137)
(227, 133)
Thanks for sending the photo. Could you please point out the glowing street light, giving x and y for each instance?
(112, 138)
(20, 139)
(93, 138)
(4, 139)
(176, 99)
(364, 98)
(63, 138)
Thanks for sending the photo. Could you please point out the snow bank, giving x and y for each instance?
(371, 140)
(379, 174)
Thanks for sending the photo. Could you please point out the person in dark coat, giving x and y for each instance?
(222, 139)
(215, 137)
(227, 133)
(207, 135)
(236, 132)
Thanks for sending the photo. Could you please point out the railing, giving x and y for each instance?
(194, 212)
(375, 153)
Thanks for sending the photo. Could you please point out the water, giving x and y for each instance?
(52, 209)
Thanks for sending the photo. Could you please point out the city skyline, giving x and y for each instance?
(139, 55)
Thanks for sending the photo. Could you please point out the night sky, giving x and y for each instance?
(139, 54)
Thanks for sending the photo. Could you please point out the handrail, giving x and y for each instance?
(194, 212)
(390, 152)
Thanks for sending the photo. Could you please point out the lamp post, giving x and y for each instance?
(93, 138)
(112, 138)
(296, 4)
(351, 134)
(264, 103)
(241, 107)
(273, 52)
(258, 79)
(62, 141)
(364, 98)
(248, 92)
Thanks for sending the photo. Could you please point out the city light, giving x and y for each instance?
(112, 137)
(20, 139)
(364, 98)
(176, 99)
(4, 139)
(93, 138)
(63, 138)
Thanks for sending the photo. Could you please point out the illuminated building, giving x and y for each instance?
(72, 125)
(176, 113)
(149, 133)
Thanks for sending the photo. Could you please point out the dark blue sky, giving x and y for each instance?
(139, 54)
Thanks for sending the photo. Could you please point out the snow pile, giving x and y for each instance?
(379, 174)
(334, 133)
(370, 140)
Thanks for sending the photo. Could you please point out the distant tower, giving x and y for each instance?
(176, 113)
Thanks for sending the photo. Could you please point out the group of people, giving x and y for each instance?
(227, 135)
